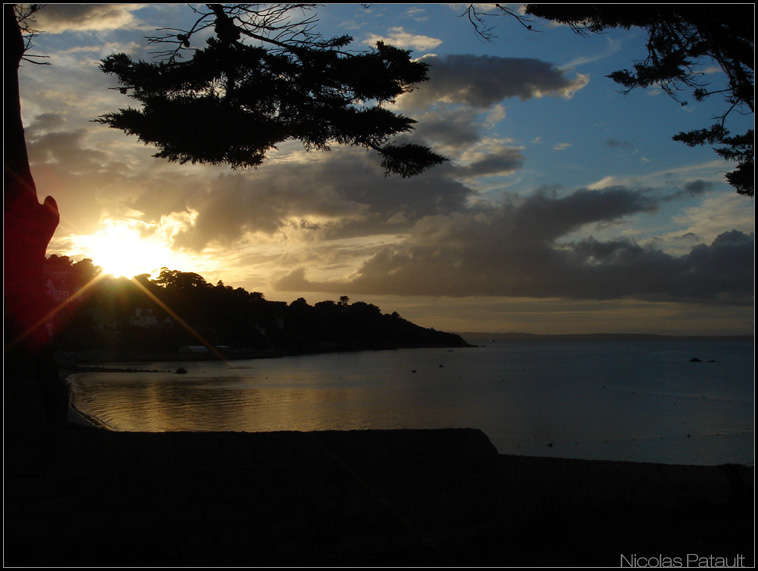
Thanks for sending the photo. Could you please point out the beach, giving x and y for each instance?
(82, 496)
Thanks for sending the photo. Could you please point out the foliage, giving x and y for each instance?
(680, 37)
(263, 79)
(184, 309)
(73, 275)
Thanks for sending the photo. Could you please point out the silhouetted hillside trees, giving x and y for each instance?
(179, 309)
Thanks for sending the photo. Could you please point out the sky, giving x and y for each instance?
(564, 207)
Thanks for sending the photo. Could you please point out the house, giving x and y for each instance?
(56, 290)
(143, 318)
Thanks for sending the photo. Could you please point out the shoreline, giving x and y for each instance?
(515, 336)
(73, 360)
(78, 419)
(672, 444)
(439, 497)
(444, 497)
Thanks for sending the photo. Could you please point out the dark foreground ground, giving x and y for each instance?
(84, 497)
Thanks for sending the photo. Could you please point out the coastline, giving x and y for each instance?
(78, 419)
(603, 337)
(87, 361)
(441, 497)
(97, 360)
(683, 436)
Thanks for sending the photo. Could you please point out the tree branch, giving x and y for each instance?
(476, 16)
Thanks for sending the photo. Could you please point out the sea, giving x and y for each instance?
(673, 401)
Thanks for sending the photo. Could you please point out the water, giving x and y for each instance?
(638, 401)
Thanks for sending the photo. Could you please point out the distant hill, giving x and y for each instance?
(180, 310)
(595, 337)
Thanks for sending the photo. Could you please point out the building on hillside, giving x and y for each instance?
(57, 290)
(143, 318)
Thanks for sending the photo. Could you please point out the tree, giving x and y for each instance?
(679, 37)
(244, 99)
(182, 281)
(84, 272)
(264, 78)
(28, 228)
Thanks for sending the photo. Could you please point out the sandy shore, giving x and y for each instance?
(88, 497)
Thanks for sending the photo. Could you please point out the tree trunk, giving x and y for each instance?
(28, 228)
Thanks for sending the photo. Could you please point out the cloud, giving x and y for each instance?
(709, 218)
(500, 161)
(59, 18)
(451, 130)
(45, 122)
(484, 81)
(65, 147)
(690, 189)
(516, 250)
(619, 144)
(399, 38)
(344, 194)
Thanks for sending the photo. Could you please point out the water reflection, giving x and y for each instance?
(619, 402)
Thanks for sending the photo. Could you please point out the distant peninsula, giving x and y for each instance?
(596, 337)
(179, 314)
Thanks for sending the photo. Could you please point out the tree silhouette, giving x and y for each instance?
(28, 228)
(231, 103)
(264, 78)
(679, 37)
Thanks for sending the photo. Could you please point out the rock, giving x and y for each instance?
(181, 371)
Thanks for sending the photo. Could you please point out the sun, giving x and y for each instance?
(120, 250)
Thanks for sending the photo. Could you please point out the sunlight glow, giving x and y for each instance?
(121, 250)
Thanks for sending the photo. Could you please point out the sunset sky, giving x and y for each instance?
(565, 207)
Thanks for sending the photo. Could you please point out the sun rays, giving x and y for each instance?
(121, 250)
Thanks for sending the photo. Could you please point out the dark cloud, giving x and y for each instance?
(697, 187)
(45, 122)
(58, 18)
(451, 130)
(344, 194)
(504, 160)
(66, 147)
(516, 251)
(266, 202)
(690, 189)
(483, 81)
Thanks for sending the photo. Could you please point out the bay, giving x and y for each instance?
(640, 400)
